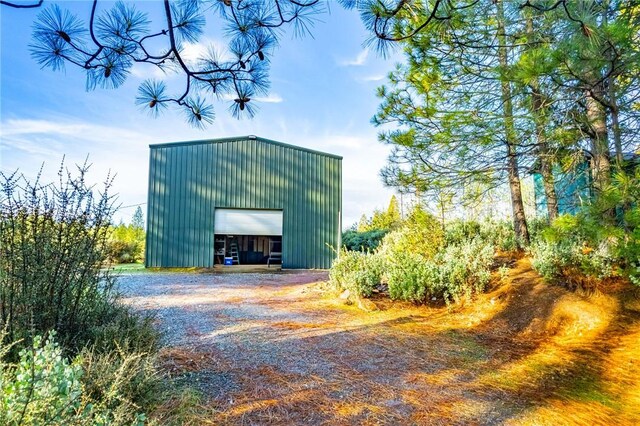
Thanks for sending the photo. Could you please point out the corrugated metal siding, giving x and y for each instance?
(573, 190)
(188, 181)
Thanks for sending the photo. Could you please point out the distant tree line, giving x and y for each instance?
(126, 243)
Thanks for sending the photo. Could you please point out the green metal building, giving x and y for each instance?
(243, 200)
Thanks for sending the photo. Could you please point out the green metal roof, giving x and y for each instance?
(238, 138)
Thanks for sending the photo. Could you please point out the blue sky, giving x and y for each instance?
(322, 97)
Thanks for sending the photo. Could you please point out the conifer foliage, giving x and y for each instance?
(113, 38)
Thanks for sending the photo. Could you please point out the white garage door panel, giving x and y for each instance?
(248, 222)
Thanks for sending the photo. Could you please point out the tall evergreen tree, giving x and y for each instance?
(454, 105)
(138, 219)
(490, 87)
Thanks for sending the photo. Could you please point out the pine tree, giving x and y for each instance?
(138, 219)
(364, 224)
(114, 39)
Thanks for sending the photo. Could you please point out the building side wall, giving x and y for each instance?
(188, 182)
(573, 190)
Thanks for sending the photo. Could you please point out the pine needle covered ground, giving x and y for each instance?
(282, 349)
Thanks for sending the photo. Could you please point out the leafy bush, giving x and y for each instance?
(421, 234)
(53, 246)
(465, 268)
(548, 259)
(537, 226)
(126, 331)
(357, 272)
(363, 241)
(45, 388)
(629, 247)
(575, 246)
(123, 252)
(497, 233)
(419, 261)
(500, 234)
(126, 243)
(42, 388)
(382, 220)
(457, 271)
(459, 230)
(412, 278)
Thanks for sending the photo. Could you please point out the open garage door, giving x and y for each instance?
(248, 222)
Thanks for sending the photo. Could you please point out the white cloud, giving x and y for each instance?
(272, 98)
(358, 61)
(191, 52)
(28, 144)
(346, 142)
(145, 71)
(377, 77)
(12, 128)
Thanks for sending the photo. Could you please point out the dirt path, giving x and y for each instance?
(277, 349)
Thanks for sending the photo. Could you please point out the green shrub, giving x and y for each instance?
(126, 330)
(500, 234)
(363, 241)
(357, 272)
(42, 388)
(412, 278)
(45, 388)
(420, 234)
(575, 246)
(458, 231)
(629, 248)
(457, 271)
(537, 226)
(548, 258)
(464, 269)
(601, 241)
(558, 259)
(497, 233)
(126, 243)
(53, 249)
(414, 239)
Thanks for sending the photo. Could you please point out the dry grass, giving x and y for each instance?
(524, 353)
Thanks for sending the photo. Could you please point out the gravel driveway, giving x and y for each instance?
(279, 349)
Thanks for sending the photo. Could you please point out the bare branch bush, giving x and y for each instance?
(52, 252)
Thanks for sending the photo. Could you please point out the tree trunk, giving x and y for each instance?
(613, 101)
(615, 123)
(548, 181)
(519, 219)
(442, 217)
(539, 112)
(600, 162)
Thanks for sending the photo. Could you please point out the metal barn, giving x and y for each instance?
(244, 200)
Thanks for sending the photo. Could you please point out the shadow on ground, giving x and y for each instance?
(280, 350)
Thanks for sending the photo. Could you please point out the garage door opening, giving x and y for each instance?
(248, 237)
